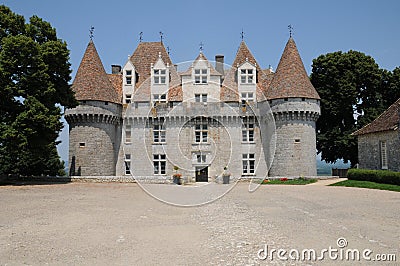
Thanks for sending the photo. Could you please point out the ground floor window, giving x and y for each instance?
(384, 159)
(248, 163)
(159, 162)
(127, 164)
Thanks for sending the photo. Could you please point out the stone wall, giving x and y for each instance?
(369, 155)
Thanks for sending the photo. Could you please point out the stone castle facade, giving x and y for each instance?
(150, 117)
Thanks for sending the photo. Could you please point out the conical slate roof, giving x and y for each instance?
(91, 81)
(290, 79)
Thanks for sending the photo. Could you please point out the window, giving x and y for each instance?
(158, 131)
(384, 159)
(128, 98)
(200, 98)
(128, 134)
(159, 163)
(247, 97)
(201, 130)
(201, 158)
(159, 76)
(248, 162)
(246, 76)
(248, 129)
(159, 98)
(128, 77)
(127, 164)
(200, 76)
(82, 144)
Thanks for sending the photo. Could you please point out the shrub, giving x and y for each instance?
(378, 176)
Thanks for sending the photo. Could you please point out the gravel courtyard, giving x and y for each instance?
(119, 224)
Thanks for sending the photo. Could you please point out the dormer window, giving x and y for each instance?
(200, 98)
(159, 76)
(246, 76)
(200, 76)
(159, 98)
(128, 77)
(247, 97)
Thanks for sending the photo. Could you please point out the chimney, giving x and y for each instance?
(115, 69)
(219, 63)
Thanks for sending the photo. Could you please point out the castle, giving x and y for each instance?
(150, 118)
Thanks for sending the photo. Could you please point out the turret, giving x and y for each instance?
(94, 125)
(295, 106)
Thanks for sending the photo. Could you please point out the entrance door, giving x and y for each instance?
(202, 174)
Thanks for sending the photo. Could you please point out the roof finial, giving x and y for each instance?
(91, 31)
(242, 35)
(161, 35)
(290, 27)
(201, 47)
(141, 36)
(168, 50)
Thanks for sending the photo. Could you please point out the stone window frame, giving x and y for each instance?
(248, 164)
(128, 164)
(159, 98)
(247, 97)
(201, 158)
(159, 76)
(128, 77)
(201, 97)
(201, 130)
(247, 76)
(201, 76)
(159, 132)
(384, 154)
(128, 98)
(248, 130)
(159, 164)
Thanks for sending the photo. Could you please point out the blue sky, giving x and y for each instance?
(320, 27)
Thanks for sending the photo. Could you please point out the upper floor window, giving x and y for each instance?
(128, 134)
(248, 129)
(159, 98)
(200, 76)
(247, 97)
(128, 98)
(201, 158)
(200, 98)
(159, 131)
(128, 77)
(201, 130)
(159, 76)
(246, 76)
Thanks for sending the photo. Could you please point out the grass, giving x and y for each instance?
(297, 181)
(367, 184)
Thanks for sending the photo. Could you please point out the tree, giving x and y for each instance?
(353, 91)
(34, 84)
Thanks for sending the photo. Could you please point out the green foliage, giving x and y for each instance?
(353, 91)
(378, 176)
(296, 181)
(366, 184)
(34, 77)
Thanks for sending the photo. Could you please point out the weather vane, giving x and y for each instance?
(242, 35)
(141, 36)
(91, 31)
(161, 35)
(201, 47)
(290, 27)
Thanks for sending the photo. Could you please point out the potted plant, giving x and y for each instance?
(226, 176)
(177, 176)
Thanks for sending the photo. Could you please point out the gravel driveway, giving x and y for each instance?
(119, 224)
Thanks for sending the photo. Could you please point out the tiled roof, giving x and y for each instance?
(91, 81)
(116, 81)
(229, 90)
(290, 79)
(388, 120)
(147, 53)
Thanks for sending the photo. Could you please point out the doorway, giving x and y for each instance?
(202, 174)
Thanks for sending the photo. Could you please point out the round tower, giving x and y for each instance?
(295, 105)
(94, 125)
